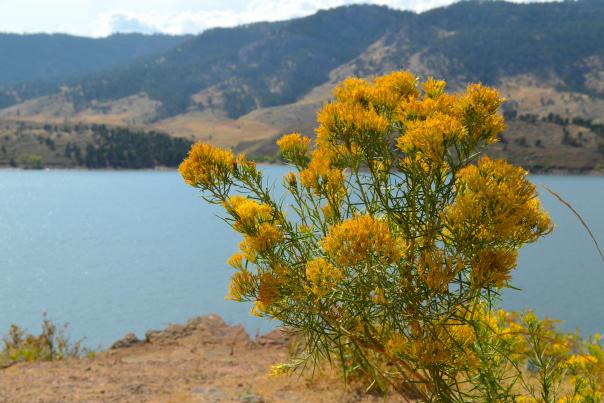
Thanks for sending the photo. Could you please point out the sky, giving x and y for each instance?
(100, 18)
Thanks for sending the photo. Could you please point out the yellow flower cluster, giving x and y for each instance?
(366, 114)
(434, 88)
(430, 352)
(291, 180)
(578, 397)
(255, 221)
(349, 124)
(543, 335)
(322, 276)
(586, 368)
(261, 241)
(495, 204)
(321, 177)
(207, 165)
(264, 287)
(236, 261)
(437, 270)
(392, 89)
(249, 213)
(503, 330)
(478, 108)
(492, 268)
(426, 106)
(431, 137)
(320, 166)
(436, 121)
(386, 92)
(294, 146)
(581, 361)
(268, 290)
(360, 113)
(278, 370)
(266, 237)
(363, 239)
(354, 90)
(241, 285)
(247, 251)
(355, 119)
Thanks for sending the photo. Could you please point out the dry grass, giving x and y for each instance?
(202, 361)
(221, 132)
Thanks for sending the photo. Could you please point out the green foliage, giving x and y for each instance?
(51, 344)
(96, 146)
(124, 148)
(31, 161)
(238, 102)
(569, 140)
(73, 151)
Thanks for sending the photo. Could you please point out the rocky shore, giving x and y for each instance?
(204, 360)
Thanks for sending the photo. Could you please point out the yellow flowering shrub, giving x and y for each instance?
(294, 146)
(398, 240)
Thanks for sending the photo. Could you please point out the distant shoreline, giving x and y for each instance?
(84, 169)
(553, 172)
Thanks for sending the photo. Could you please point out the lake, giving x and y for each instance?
(117, 252)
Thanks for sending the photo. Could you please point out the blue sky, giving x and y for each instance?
(103, 17)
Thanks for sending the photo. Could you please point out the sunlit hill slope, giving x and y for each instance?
(242, 87)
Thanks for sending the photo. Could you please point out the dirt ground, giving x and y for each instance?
(204, 360)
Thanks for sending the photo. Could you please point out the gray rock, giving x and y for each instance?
(129, 340)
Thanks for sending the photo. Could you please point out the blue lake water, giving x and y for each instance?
(115, 252)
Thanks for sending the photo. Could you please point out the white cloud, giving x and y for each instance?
(195, 21)
(124, 23)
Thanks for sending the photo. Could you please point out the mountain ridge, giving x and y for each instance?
(242, 87)
(65, 56)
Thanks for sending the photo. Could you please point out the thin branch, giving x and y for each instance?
(567, 204)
